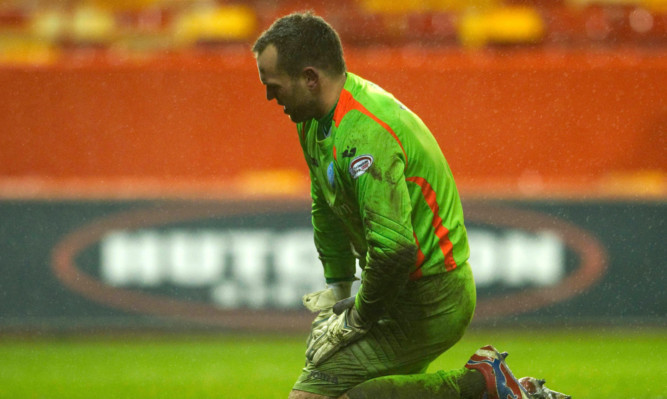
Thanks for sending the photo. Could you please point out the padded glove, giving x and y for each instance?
(338, 331)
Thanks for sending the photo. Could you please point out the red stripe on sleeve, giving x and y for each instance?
(440, 230)
(417, 274)
(347, 103)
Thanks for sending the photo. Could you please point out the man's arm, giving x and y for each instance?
(385, 211)
(333, 245)
(386, 214)
(331, 242)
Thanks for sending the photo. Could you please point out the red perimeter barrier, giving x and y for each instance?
(527, 119)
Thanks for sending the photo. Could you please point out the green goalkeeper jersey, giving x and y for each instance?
(382, 193)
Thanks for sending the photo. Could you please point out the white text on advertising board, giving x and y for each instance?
(268, 268)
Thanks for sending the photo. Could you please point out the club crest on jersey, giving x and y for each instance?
(360, 165)
(330, 175)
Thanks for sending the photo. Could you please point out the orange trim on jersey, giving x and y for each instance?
(417, 274)
(335, 154)
(440, 230)
(347, 103)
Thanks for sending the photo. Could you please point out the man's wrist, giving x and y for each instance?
(341, 289)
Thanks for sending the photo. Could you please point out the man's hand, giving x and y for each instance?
(320, 302)
(338, 331)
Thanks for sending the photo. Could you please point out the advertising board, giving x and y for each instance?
(246, 264)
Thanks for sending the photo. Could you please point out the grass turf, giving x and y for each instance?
(586, 363)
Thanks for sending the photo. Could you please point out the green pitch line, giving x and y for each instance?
(587, 363)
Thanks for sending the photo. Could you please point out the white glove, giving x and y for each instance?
(322, 302)
(338, 331)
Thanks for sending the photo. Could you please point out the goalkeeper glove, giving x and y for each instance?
(338, 331)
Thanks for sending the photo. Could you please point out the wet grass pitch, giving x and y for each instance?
(588, 363)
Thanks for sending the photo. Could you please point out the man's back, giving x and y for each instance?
(374, 141)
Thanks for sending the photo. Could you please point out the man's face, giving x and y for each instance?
(291, 93)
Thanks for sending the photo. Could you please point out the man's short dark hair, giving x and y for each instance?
(301, 40)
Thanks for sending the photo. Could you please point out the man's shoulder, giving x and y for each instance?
(370, 100)
(363, 89)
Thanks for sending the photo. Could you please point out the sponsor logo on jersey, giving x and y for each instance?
(350, 152)
(360, 165)
(330, 175)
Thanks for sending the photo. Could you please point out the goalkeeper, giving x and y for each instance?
(383, 196)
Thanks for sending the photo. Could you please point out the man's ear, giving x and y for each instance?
(312, 77)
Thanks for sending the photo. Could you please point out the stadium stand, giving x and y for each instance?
(496, 55)
(33, 29)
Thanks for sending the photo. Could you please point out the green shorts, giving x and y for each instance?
(429, 316)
